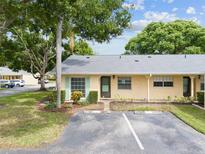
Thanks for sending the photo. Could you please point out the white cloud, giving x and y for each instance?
(195, 19)
(160, 16)
(201, 13)
(174, 9)
(137, 5)
(168, 1)
(138, 25)
(150, 16)
(191, 10)
(203, 8)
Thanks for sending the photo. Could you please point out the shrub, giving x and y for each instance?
(200, 97)
(83, 103)
(53, 96)
(76, 95)
(50, 106)
(92, 97)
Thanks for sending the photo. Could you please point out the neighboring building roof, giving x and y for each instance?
(135, 64)
(7, 71)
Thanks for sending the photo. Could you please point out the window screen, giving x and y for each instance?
(78, 84)
(124, 82)
(163, 81)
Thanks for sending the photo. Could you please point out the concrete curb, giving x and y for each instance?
(198, 106)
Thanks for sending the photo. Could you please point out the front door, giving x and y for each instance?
(105, 87)
(186, 86)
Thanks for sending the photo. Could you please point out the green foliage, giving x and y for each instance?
(83, 103)
(50, 106)
(81, 48)
(200, 97)
(76, 95)
(184, 99)
(92, 97)
(178, 37)
(87, 19)
(53, 96)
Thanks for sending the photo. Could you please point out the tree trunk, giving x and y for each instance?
(72, 42)
(58, 60)
(42, 82)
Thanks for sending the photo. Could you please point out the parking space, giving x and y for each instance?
(126, 133)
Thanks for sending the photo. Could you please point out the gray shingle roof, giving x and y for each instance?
(135, 64)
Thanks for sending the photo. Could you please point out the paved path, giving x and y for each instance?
(106, 105)
(16, 90)
(122, 133)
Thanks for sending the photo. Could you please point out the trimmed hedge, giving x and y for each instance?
(92, 97)
(200, 97)
(53, 96)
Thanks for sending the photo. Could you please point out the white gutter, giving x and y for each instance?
(204, 90)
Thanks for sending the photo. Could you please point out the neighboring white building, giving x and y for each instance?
(8, 74)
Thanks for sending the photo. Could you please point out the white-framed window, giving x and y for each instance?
(124, 82)
(78, 84)
(202, 82)
(163, 81)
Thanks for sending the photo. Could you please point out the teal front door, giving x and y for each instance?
(105, 87)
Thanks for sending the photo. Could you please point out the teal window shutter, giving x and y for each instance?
(67, 88)
(87, 86)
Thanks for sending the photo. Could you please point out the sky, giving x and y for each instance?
(145, 11)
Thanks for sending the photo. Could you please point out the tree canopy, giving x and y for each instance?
(36, 20)
(177, 37)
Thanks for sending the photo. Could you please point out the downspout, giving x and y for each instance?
(204, 90)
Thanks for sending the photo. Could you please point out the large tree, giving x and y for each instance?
(10, 13)
(35, 52)
(178, 37)
(88, 19)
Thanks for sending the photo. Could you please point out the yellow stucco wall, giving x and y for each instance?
(165, 92)
(139, 87)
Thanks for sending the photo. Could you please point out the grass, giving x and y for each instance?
(191, 115)
(2, 88)
(23, 125)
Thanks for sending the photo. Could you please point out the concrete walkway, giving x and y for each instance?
(106, 105)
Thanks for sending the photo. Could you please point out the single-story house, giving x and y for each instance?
(8, 74)
(140, 77)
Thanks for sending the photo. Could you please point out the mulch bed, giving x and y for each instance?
(64, 107)
(41, 106)
(149, 103)
(199, 104)
(2, 106)
(99, 106)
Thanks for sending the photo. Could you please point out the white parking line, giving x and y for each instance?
(133, 132)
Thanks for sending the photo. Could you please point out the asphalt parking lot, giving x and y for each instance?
(125, 133)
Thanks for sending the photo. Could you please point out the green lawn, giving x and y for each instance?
(191, 115)
(23, 125)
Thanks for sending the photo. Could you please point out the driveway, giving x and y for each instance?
(125, 133)
(16, 90)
